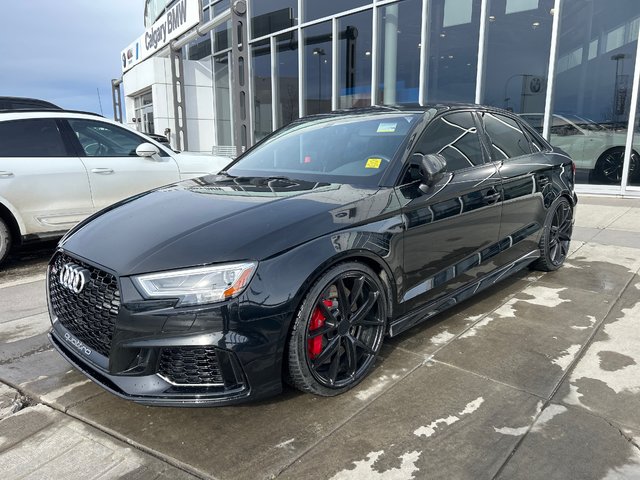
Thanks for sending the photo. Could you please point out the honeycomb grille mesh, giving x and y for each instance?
(190, 366)
(91, 314)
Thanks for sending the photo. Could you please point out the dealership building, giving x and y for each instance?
(219, 75)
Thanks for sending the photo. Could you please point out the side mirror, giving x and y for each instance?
(428, 169)
(147, 150)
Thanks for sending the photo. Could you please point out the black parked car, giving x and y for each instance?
(295, 262)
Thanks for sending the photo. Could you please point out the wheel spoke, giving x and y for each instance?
(376, 322)
(364, 309)
(355, 292)
(364, 346)
(564, 248)
(328, 314)
(329, 350)
(352, 356)
(564, 237)
(326, 328)
(343, 299)
(333, 369)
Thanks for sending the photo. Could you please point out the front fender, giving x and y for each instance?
(281, 282)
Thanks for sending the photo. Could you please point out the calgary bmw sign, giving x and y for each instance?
(176, 21)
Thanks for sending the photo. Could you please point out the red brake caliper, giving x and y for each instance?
(314, 345)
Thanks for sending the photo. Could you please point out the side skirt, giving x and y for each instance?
(463, 293)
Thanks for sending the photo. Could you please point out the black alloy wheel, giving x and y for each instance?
(609, 167)
(554, 244)
(338, 331)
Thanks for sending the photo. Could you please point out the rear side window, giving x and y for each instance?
(506, 137)
(455, 137)
(36, 137)
(535, 143)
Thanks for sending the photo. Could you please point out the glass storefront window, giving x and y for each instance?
(517, 54)
(594, 74)
(354, 60)
(287, 65)
(220, 7)
(262, 99)
(399, 57)
(315, 9)
(634, 161)
(222, 37)
(199, 49)
(317, 72)
(452, 56)
(272, 16)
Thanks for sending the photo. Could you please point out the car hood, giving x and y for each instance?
(216, 219)
(193, 164)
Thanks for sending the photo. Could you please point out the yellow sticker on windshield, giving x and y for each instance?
(373, 163)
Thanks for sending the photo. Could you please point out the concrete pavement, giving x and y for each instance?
(536, 378)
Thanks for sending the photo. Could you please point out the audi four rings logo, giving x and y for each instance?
(74, 277)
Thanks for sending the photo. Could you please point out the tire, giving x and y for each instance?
(5, 240)
(556, 236)
(608, 169)
(345, 346)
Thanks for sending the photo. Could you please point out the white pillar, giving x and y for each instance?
(390, 54)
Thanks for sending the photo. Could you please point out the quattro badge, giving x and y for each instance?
(74, 277)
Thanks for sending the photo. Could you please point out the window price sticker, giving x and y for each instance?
(373, 163)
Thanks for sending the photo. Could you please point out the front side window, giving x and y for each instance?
(100, 139)
(353, 149)
(36, 137)
(506, 137)
(455, 137)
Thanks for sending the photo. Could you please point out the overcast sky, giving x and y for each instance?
(63, 50)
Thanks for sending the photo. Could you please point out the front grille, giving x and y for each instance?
(89, 315)
(197, 366)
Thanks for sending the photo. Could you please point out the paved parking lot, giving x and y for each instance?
(538, 378)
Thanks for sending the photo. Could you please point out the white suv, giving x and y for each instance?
(58, 167)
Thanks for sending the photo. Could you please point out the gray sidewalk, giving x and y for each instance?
(538, 378)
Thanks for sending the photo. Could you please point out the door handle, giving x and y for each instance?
(102, 171)
(492, 197)
(543, 180)
(4, 174)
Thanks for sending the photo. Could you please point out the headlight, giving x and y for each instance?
(197, 286)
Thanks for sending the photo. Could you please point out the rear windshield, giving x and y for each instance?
(354, 149)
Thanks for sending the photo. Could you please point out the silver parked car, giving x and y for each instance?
(592, 146)
(58, 167)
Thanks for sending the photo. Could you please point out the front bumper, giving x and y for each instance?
(149, 389)
(165, 356)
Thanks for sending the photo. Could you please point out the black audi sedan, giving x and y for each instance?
(294, 263)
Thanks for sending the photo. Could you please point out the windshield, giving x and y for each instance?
(353, 149)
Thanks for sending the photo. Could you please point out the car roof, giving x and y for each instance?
(412, 108)
(45, 112)
(35, 102)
